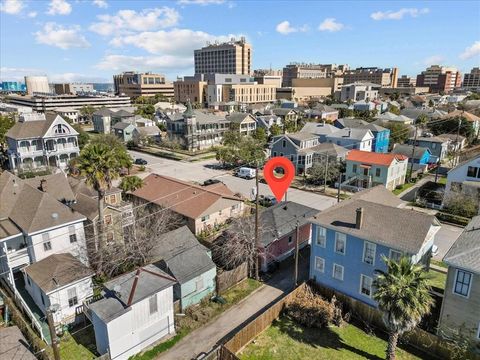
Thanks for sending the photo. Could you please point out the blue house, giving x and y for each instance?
(180, 254)
(381, 135)
(421, 155)
(350, 239)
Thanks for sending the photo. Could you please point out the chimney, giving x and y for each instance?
(43, 185)
(359, 218)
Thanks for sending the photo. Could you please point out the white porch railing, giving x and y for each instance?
(35, 323)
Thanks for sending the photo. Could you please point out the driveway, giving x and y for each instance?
(205, 338)
(445, 238)
(201, 170)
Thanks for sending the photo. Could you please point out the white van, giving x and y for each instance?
(246, 173)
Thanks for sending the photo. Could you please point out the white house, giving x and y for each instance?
(40, 142)
(464, 178)
(136, 311)
(60, 281)
(352, 138)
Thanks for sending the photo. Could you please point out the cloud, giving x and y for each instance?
(471, 51)
(330, 24)
(75, 77)
(32, 14)
(12, 7)
(61, 36)
(59, 7)
(433, 60)
(178, 42)
(143, 63)
(200, 2)
(398, 15)
(127, 21)
(18, 74)
(100, 3)
(285, 28)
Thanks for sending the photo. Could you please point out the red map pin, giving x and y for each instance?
(279, 185)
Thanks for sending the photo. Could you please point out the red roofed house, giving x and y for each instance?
(203, 207)
(371, 169)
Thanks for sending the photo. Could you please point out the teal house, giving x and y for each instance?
(123, 131)
(179, 253)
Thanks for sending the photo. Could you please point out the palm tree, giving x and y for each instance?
(98, 163)
(403, 295)
(131, 183)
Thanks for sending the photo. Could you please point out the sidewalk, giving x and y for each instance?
(205, 338)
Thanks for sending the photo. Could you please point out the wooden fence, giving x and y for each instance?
(226, 279)
(260, 323)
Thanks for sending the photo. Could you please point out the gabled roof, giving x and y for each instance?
(348, 133)
(464, 114)
(182, 197)
(326, 148)
(103, 112)
(465, 252)
(434, 139)
(148, 130)
(33, 129)
(374, 158)
(400, 229)
(282, 111)
(238, 117)
(56, 271)
(318, 128)
(122, 126)
(184, 256)
(360, 124)
(407, 150)
(302, 136)
(324, 108)
(55, 185)
(122, 113)
(466, 161)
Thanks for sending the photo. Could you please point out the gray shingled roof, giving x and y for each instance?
(239, 117)
(324, 148)
(184, 256)
(400, 229)
(56, 271)
(300, 136)
(103, 112)
(318, 128)
(465, 252)
(34, 129)
(407, 150)
(355, 134)
(56, 185)
(121, 125)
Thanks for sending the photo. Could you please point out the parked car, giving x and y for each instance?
(246, 173)
(267, 200)
(211, 182)
(140, 161)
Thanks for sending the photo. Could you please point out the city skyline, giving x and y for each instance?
(92, 40)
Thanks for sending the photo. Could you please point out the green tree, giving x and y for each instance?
(473, 96)
(237, 149)
(260, 135)
(343, 113)
(87, 112)
(83, 137)
(394, 110)
(448, 125)
(399, 133)
(6, 123)
(422, 120)
(402, 293)
(319, 169)
(275, 130)
(431, 103)
(131, 183)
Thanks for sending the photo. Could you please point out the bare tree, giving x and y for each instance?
(134, 245)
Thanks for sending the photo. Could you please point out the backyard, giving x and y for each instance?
(287, 340)
(437, 278)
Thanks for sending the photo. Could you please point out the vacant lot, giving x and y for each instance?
(287, 340)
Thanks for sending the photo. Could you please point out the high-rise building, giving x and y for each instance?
(471, 80)
(310, 71)
(191, 88)
(234, 57)
(135, 84)
(440, 78)
(405, 81)
(268, 77)
(384, 77)
(37, 85)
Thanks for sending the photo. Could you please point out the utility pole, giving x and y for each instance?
(257, 262)
(456, 140)
(339, 185)
(53, 335)
(326, 172)
(413, 152)
(296, 253)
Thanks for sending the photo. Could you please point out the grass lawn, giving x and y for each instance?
(438, 279)
(403, 188)
(442, 180)
(80, 346)
(287, 340)
(439, 263)
(200, 315)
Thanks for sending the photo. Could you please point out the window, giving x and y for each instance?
(395, 255)
(337, 272)
(72, 297)
(108, 219)
(473, 171)
(274, 153)
(434, 146)
(153, 304)
(366, 285)
(378, 172)
(72, 234)
(354, 168)
(199, 284)
(284, 143)
(319, 264)
(110, 237)
(365, 171)
(206, 217)
(113, 199)
(340, 243)
(290, 239)
(43, 299)
(47, 245)
(369, 250)
(463, 280)
(321, 236)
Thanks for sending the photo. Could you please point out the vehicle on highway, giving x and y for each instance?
(246, 173)
(140, 161)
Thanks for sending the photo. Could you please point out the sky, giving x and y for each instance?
(90, 40)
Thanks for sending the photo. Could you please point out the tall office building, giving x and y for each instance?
(440, 78)
(135, 84)
(37, 85)
(234, 57)
(310, 71)
(405, 81)
(384, 77)
(471, 80)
